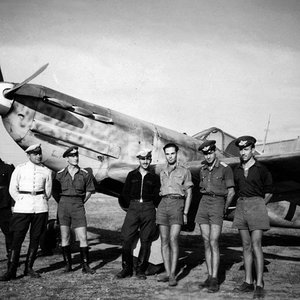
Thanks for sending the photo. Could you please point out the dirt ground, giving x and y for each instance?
(282, 265)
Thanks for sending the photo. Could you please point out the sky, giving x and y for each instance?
(183, 64)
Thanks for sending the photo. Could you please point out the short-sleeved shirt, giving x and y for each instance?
(178, 181)
(29, 177)
(82, 183)
(257, 183)
(216, 181)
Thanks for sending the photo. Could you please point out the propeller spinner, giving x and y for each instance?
(7, 90)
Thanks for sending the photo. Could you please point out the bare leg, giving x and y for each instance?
(205, 232)
(165, 247)
(256, 237)
(247, 253)
(215, 231)
(174, 234)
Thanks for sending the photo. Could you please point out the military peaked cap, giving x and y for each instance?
(245, 141)
(34, 148)
(144, 153)
(208, 146)
(70, 151)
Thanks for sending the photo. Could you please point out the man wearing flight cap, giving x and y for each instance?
(30, 187)
(216, 186)
(141, 191)
(72, 187)
(254, 187)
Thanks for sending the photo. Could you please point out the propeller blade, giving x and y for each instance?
(1, 76)
(9, 93)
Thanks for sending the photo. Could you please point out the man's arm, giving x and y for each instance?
(229, 198)
(87, 196)
(188, 201)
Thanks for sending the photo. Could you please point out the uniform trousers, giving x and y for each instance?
(20, 223)
(5, 217)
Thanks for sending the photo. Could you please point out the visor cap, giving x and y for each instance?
(34, 149)
(245, 141)
(208, 146)
(144, 153)
(71, 151)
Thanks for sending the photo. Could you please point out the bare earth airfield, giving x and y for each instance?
(105, 218)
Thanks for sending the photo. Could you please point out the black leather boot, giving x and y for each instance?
(12, 265)
(66, 252)
(142, 263)
(30, 258)
(84, 255)
(127, 265)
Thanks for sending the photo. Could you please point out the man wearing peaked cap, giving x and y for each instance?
(33, 148)
(254, 188)
(72, 151)
(208, 146)
(72, 187)
(30, 187)
(141, 192)
(245, 141)
(217, 189)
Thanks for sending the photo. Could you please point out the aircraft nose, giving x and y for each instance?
(5, 104)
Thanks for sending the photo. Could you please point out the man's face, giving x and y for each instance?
(247, 153)
(171, 155)
(210, 157)
(35, 157)
(145, 162)
(73, 159)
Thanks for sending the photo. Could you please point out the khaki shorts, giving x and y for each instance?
(251, 214)
(210, 210)
(170, 211)
(71, 211)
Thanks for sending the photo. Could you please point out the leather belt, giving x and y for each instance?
(140, 201)
(33, 193)
(212, 195)
(173, 196)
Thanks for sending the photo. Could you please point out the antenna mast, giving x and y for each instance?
(267, 131)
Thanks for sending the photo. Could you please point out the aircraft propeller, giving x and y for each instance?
(9, 93)
(1, 76)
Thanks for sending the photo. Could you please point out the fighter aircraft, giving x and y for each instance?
(108, 141)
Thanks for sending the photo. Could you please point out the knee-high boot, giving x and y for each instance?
(66, 252)
(84, 255)
(12, 265)
(30, 258)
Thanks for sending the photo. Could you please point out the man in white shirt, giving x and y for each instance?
(30, 187)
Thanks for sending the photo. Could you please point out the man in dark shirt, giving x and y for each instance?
(216, 185)
(72, 187)
(141, 191)
(6, 202)
(254, 186)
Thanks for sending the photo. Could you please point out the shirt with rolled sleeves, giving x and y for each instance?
(217, 180)
(177, 182)
(31, 178)
(65, 185)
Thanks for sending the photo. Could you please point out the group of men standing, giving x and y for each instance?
(250, 181)
(31, 185)
(171, 192)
